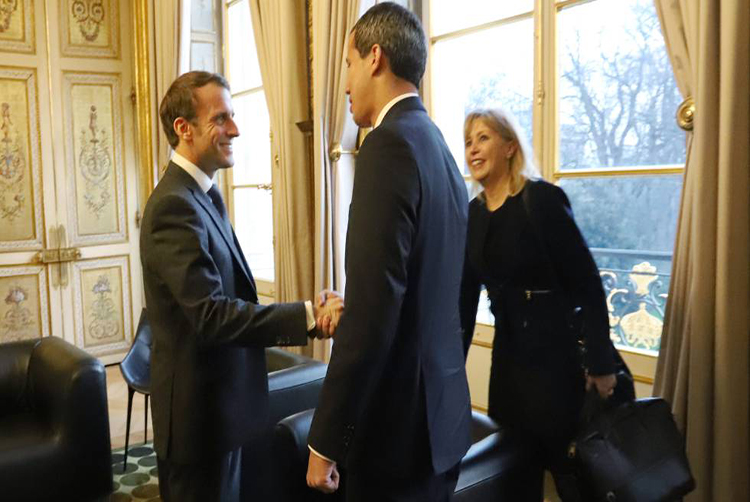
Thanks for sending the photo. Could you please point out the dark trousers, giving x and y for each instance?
(211, 480)
(540, 455)
(363, 486)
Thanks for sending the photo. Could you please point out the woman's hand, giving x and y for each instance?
(604, 384)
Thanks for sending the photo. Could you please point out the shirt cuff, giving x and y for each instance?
(319, 455)
(310, 316)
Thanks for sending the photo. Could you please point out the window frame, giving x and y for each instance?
(545, 124)
(265, 288)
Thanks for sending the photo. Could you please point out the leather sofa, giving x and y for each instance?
(294, 383)
(54, 423)
(492, 470)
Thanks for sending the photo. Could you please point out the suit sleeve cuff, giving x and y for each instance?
(310, 316)
(319, 455)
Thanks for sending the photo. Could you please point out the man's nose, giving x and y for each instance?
(233, 130)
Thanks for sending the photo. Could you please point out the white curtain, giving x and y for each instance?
(172, 58)
(280, 37)
(333, 131)
(704, 362)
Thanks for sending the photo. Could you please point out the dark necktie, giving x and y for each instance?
(215, 196)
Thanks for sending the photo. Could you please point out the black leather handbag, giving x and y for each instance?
(632, 452)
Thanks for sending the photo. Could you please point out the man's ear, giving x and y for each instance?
(377, 59)
(182, 129)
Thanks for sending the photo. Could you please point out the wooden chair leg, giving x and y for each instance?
(127, 428)
(145, 422)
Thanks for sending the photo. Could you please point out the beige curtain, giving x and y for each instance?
(704, 362)
(334, 138)
(172, 58)
(280, 37)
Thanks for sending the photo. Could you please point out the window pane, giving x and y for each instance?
(244, 71)
(253, 224)
(617, 95)
(202, 56)
(451, 15)
(630, 224)
(252, 149)
(202, 15)
(472, 71)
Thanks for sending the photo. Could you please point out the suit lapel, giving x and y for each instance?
(224, 230)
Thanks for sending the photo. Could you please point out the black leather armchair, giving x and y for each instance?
(492, 470)
(54, 424)
(294, 383)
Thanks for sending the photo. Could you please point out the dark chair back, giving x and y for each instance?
(136, 366)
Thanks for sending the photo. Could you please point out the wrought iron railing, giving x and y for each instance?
(636, 284)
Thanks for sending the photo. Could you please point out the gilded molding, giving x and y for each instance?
(143, 99)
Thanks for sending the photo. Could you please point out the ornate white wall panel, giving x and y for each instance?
(101, 296)
(20, 165)
(90, 28)
(93, 146)
(17, 26)
(24, 309)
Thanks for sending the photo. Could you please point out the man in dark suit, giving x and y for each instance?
(208, 372)
(394, 409)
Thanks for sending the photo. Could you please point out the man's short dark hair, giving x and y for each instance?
(399, 33)
(180, 101)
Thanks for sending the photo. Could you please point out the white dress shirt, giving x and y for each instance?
(390, 104)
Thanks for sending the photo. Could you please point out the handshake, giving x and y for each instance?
(327, 310)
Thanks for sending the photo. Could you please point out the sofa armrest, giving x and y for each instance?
(481, 426)
(495, 469)
(14, 370)
(290, 462)
(294, 389)
(68, 389)
(279, 359)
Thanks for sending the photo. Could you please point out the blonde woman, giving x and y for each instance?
(524, 247)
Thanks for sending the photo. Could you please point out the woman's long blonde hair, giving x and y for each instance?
(521, 164)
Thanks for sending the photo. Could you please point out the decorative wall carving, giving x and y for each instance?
(20, 171)
(17, 25)
(24, 312)
(102, 304)
(93, 128)
(90, 28)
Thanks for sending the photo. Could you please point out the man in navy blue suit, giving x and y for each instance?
(394, 409)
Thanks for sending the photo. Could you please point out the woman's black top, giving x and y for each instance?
(537, 269)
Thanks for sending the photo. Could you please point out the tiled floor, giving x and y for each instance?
(117, 397)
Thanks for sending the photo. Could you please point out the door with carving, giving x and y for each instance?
(69, 263)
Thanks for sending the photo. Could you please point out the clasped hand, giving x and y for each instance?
(322, 474)
(327, 310)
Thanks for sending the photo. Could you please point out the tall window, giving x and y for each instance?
(591, 85)
(249, 181)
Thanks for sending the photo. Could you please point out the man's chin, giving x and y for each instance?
(227, 163)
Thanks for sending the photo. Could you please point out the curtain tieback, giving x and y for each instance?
(337, 151)
(686, 114)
